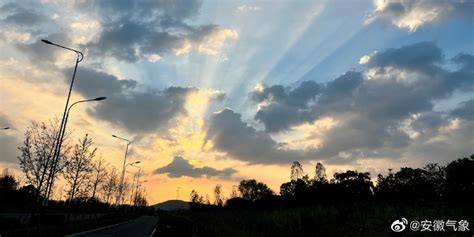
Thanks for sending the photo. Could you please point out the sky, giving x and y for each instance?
(213, 92)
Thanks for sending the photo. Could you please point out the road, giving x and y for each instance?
(143, 226)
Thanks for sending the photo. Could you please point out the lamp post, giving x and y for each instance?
(136, 176)
(57, 148)
(61, 137)
(67, 115)
(139, 173)
(139, 184)
(120, 193)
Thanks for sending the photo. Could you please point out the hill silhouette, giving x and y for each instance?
(172, 205)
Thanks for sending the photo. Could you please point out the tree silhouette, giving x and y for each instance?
(36, 153)
(296, 171)
(110, 186)
(99, 173)
(218, 195)
(412, 185)
(355, 185)
(234, 192)
(294, 187)
(252, 190)
(320, 173)
(78, 168)
(460, 179)
(7, 180)
(196, 198)
(140, 200)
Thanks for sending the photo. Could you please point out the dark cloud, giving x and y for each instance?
(453, 141)
(143, 112)
(91, 83)
(275, 92)
(178, 10)
(136, 111)
(375, 109)
(180, 167)
(25, 18)
(465, 60)
(230, 134)
(134, 30)
(465, 110)
(284, 107)
(428, 122)
(420, 56)
(21, 16)
(44, 55)
(413, 14)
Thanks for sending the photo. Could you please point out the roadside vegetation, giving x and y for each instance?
(87, 200)
(348, 204)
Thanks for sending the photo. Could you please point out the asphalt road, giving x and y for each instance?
(143, 226)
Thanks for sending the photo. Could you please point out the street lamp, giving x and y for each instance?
(67, 114)
(139, 184)
(120, 193)
(133, 163)
(136, 176)
(57, 148)
(61, 137)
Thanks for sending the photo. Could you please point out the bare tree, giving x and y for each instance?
(296, 171)
(36, 153)
(320, 175)
(109, 187)
(218, 195)
(196, 198)
(140, 200)
(235, 192)
(79, 167)
(127, 190)
(99, 173)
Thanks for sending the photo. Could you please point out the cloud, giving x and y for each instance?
(281, 108)
(411, 14)
(180, 167)
(21, 16)
(8, 143)
(41, 54)
(237, 139)
(379, 111)
(465, 110)
(421, 57)
(247, 8)
(136, 111)
(8, 61)
(148, 30)
(20, 21)
(144, 112)
(8, 146)
(92, 83)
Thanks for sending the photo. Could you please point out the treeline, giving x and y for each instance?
(433, 183)
(90, 180)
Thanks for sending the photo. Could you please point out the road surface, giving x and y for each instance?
(143, 226)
